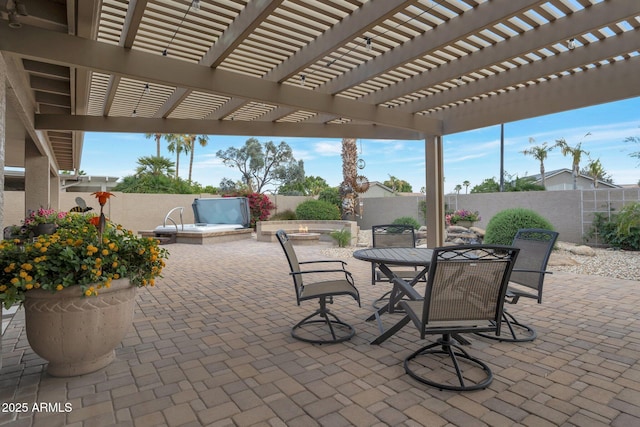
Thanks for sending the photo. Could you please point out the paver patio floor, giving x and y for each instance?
(211, 345)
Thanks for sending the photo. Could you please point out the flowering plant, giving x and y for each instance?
(86, 251)
(462, 215)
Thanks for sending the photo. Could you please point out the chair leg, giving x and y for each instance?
(447, 346)
(340, 331)
(513, 330)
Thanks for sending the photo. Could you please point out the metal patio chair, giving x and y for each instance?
(465, 292)
(312, 328)
(527, 280)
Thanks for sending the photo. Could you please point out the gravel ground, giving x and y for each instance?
(606, 262)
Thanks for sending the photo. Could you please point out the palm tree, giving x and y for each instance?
(595, 170)
(457, 188)
(157, 137)
(177, 144)
(155, 165)
(202, 140)
(466, 186)
(576, 155)
(539, 152)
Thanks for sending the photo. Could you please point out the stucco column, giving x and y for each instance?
(435, 191)
(3, 129)
(37, 182)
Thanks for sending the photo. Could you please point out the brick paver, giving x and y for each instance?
(211, 345)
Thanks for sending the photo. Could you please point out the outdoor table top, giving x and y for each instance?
(396, 256)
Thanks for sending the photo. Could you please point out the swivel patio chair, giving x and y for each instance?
(312, 328)
(526, 280)
(392, 236)
(465, 292)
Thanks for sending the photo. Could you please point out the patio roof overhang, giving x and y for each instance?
(403, 69)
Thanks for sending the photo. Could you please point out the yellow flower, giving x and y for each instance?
(59, 288)
(3, 288)
(88, 293)
(15, 280)
(26, 266)
(105, 252)
(22, 274)
(116, 276)
(43, 249)
(114, 264)
(29, 286)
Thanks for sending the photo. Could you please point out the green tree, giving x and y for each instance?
(489, 185)
(457, 188)
(203, 140)
(260, 166)
(596, 171)
(157, 137)
(177, 144)
(398, 185)
(576, 153)
(155, 165)
(539, 152)
(635, 154)
(310, 186)
(466, 186)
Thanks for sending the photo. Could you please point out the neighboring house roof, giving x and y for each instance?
(568, 173)
(14, 181)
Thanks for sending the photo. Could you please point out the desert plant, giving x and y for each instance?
(343, 237)
(317, 210)
(502, 228)
(621, 231)
(407, 220)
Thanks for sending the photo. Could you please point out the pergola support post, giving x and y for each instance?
(435, 191)
(37, 181)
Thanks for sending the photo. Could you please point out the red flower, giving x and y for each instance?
(95, 220)
(102, 196)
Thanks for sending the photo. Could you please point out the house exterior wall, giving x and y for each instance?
(376, 191)
(564, 181)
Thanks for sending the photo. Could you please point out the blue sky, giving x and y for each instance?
(472, 155)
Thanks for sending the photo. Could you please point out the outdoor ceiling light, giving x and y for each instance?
(147, 89)
(13, 19)
(571, 44)
(367, 41)
(195, 5)
(303, 79)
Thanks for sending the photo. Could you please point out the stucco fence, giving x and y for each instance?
(570, 211)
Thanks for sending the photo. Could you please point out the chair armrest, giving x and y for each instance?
(520, 270)
(323, 261)
(407, 289)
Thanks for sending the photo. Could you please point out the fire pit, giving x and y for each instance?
(303, 237)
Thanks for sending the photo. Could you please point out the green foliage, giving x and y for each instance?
(343, 237)
(331, 195)
(398, 184)
(318, 210)
(407, 220)
(502, 228)
(260, 166)
(309, 186)
(287, 215)
(490, 185)
(610, 230)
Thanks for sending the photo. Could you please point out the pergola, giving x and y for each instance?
(397, 69)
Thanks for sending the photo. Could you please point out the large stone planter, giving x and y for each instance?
(466, 224)
(78, 334)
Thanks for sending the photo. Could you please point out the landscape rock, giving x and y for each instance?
(582, 250)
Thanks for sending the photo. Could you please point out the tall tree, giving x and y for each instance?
(260, 166)
(466, 186)
(397, 184)
(457, 188)
(203, 140)
(539, 152)
(155, 165)
(157, 137)
(178, 143)
(576, 153)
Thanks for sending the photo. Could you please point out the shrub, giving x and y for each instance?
(343, 237)
(331, 195)
(260, 206)
(287, 215)
(317, 210)
(407, 220)
(622, 231)
(502, 228)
